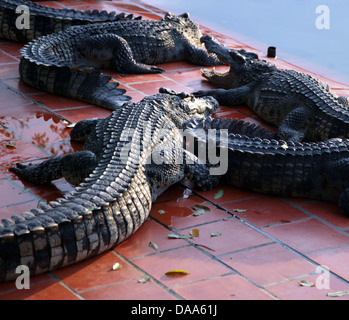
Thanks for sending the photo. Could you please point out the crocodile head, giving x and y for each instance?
(244, 65)
(190, 105)
(189, 28)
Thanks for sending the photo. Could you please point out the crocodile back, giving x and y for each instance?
(44, 20)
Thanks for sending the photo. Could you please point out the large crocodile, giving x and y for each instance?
(259, 162)
(301, 106)
(23, 21)
(129, 158)
(65, 62)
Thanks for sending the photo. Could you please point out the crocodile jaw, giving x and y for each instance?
(222, 80)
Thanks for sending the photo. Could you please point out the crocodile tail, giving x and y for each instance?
(38, 20)
(84, 84)
(82, 225)
(66, 231)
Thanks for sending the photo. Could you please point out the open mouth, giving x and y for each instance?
(222, 53)
(213, 73)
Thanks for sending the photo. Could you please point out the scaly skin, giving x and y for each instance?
(64, 63)
(121, 175)
(301, 106)
(45, 20)
(257, 162)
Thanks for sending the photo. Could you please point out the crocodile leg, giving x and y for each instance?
(295, 125)
(227, 97)
(199, 56)
(83, 128)
(180, 163)
(73, 167)
(115, 49)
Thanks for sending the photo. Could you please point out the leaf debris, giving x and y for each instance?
(338, 293)
(176, 272)
(144, 280)
(194, 232)
(178, 236)
(217, 234)
(153, 245)
(116, 266)
(219, 194)
(239, 210)
(11, 144)
(305, 283)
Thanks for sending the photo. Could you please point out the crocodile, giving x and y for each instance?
(128, 159)
(260, 163)
(301, 106)
(66, 62)
(45, 20)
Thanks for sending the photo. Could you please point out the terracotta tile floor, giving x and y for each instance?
(259, 253)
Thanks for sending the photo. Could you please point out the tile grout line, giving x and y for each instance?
(298, 253)
(159, 283)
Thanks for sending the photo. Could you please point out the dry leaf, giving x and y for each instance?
(194, 232)
(178, 236)
(217, 234)
(239, 210)
(144, 280)
(199, 206)
(218, 194)
(200, 209)
(305, 283)
(11, 144)
(176, 272)
(153, 245)
(337, 293)
(116, 266)
(25, 190)
(198, 212)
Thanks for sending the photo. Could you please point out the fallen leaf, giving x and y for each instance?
(198, 212)
(199, 206)
(161, 211)
(194, 232)
(25, 190)
(202, 245)
(217, 234)
(71, 125)
(178, 236)
(337, 293)
(11, 144)
(305, 283)
(200, 209)
(176, 272)
(218, 194)
(153, 245)
(144, 280)
(116, 266)
(239, 210)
